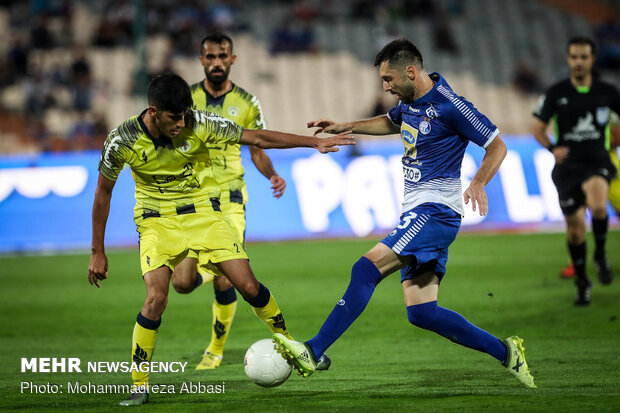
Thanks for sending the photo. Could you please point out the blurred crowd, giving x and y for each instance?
(31, 90)
(69, 88)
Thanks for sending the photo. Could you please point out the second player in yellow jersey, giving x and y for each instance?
(218, 94)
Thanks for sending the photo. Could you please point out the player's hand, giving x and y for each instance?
(478, 198)
(97, 268)
(560, 153)
(331, 144)
(277, 186)
(327, 126)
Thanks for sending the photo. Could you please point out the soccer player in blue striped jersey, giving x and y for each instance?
(436, 125)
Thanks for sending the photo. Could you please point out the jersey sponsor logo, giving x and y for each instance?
(424, 127)
(411, 174)
(414, 110)
(584, 130)
(233, 111)
(409, 134)
(431, 112)
(185, 146)
(562, 101)
(602, 115)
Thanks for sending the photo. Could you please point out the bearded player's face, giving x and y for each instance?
(216, 59)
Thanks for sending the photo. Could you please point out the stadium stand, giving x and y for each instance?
(43, 105)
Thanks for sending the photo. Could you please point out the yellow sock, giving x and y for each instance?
(142, 347)
(223, 315)
(272, 317)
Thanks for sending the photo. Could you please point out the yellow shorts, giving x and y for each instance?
(235, 212)
(206, 235)
(614, 185)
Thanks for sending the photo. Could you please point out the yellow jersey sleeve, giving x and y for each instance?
(117, 150)
(255, 119)
(212, 128)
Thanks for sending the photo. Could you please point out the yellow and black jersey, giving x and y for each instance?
(242, 108)
(170, 174)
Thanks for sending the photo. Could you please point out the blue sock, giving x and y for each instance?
(364, 278)
(455, 327)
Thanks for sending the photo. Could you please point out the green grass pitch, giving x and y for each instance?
(507, 284)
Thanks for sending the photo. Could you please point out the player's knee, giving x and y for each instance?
(422, 315)
(599, 211)
(365, 272)
(183, 285)
(248, 288)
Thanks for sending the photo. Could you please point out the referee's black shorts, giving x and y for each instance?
(568, 177)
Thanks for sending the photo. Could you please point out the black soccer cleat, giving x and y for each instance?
(605, 274)
(584, 288)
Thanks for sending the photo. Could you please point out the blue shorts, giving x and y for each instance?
(424, 232)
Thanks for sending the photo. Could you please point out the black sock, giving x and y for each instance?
(599, 228)
(578, 255)
(226, 297)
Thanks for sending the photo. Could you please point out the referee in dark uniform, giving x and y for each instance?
(580, 108)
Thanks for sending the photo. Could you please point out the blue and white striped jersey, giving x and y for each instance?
(436, 130)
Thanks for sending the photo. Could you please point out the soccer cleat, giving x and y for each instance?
(584, 288)
(297, 353)
(323, 363)
(136, 399)
(515, 361)
(568, 271)
(605, 274)
(209, 361)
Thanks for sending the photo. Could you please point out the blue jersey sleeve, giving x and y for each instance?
(469, 123)
(395, 115)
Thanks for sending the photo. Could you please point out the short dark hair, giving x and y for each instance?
(218, 38)
(170, 92)
(582, 40)
(401, 53)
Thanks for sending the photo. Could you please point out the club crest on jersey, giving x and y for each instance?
(602, 115)
(233, 111)
(431, 112)
(185, 146)
(424, 127)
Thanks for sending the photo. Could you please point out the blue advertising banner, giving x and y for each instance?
(46, 200)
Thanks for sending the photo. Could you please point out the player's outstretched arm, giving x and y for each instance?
(263, 164)
(495, 154)
(98, 266)
(267, 139)
(379, 125)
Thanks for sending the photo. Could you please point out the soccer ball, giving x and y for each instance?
(264, 366)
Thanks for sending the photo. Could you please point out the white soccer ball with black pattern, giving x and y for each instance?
(264, 365)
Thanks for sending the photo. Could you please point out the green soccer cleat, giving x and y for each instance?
(136, 399)
(209, 361)
(297, 353)
(515, 361)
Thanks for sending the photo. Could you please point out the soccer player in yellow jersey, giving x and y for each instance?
(178, 208)
(218, 94)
